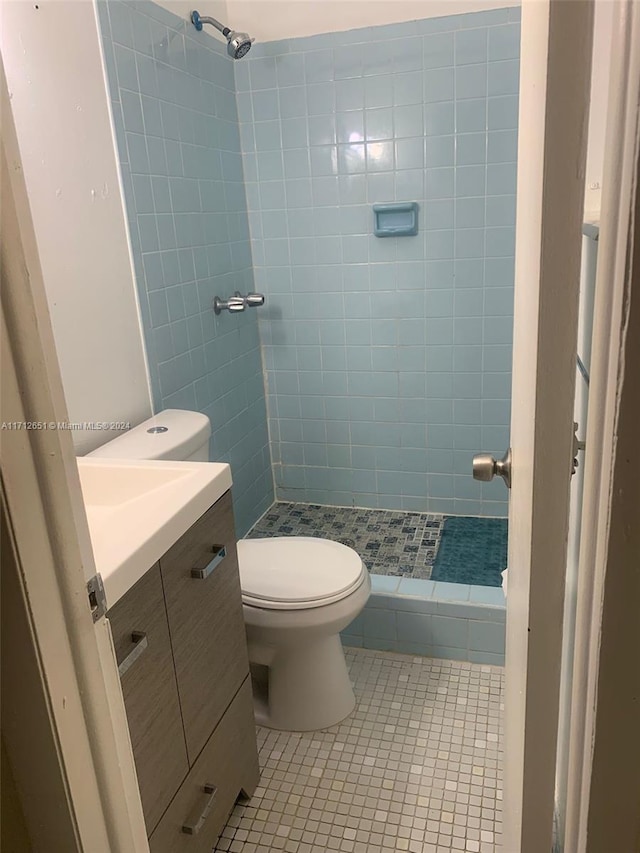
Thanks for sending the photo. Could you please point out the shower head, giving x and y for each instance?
(238, 44)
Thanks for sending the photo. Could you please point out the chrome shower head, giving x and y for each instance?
(238, 44)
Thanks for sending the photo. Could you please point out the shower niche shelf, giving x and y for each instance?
(395, 220)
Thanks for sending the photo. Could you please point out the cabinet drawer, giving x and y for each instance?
(206, 621)
(227, 766)
(150, 693)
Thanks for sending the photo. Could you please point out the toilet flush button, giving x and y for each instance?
(158, 429)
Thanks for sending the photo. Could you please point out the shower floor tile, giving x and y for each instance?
(417, 767)
(390, 542)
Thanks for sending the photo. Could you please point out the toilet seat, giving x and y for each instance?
(297, 572)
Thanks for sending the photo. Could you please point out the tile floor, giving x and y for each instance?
(416, 767)
(390, 542)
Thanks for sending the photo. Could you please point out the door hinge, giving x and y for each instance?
(97, 598)
(577, 447)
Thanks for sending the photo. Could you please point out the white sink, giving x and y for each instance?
(138, 509)
(111, 486)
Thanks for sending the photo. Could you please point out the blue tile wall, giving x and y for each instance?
(174, 108)
(387, 360)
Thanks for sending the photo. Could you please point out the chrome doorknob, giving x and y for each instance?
(485, 467)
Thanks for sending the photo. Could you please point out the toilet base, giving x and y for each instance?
(303, 689)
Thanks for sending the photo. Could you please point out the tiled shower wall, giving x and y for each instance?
(176, 123)
(387, 360)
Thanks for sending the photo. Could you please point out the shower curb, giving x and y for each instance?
(459, 622)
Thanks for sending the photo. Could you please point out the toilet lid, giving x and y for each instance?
(285, 572)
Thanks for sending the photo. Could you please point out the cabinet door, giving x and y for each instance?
(204, 605)
(143, 651)
(226, 767)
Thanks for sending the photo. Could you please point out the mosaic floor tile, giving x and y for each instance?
(402, 544)
(417, 767)
(472, 550)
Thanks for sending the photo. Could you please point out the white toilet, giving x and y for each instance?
(298, 593)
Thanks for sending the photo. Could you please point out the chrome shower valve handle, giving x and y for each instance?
(234, 304)
(237, 302)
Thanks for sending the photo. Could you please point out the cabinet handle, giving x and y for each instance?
(219, 553)
(140, 643)
(193, 826)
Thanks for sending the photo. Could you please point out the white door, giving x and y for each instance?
(554, 95)
(65, 732)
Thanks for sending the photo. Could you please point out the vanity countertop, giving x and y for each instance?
(137, 509)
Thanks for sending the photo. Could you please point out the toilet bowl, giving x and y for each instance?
(298, 593)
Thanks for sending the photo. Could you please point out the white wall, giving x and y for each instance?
(268, 20)
(52, 57)
(602, 33)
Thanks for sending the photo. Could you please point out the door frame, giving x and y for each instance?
(83, 716)
(611, 388)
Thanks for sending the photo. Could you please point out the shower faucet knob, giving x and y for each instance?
(233, 304)
(236, 303)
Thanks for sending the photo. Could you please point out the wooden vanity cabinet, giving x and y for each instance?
(181, 648)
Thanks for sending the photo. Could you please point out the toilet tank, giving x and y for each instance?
(172, 434)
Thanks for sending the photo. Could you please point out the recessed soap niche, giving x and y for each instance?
(396, 220)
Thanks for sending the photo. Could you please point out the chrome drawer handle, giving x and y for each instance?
(193, 827)
(219, 553)
(140, 643)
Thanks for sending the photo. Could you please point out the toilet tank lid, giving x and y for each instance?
(171, 434)
(289, 569)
